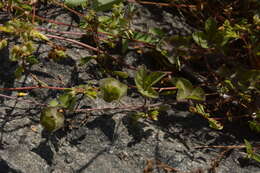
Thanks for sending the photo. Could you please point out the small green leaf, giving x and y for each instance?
(37, 34)
(153, 114)
(67, 100)
(199, 109)
(19, 71)
(3, 43)
(201, 39)
(121, 74)
(53, 103)
(112, 89)
(215, 124)
(249, 148)
(144, 81)
(255, 126)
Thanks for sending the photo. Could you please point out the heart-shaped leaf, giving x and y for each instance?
(187, 91)
(144, 81)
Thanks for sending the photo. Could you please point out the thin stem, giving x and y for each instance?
(33, 87)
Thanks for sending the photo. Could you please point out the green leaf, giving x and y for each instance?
(199, 109)
(52, 119)
(201, 39)
(250, 151)
(143, 37)
(215, 124)
(255, 126)
(197, 94)
(19, 72)
(67, 100)
(3, 43)
(210, 27)
(86, 59)
(112, 89)
(75, 3)
(186, 90)
(121, 74)
(37, 34)
(53, 103)
(249, 148)
(104, 5)
(144, 81)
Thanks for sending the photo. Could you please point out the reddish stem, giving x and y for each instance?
(32, 87)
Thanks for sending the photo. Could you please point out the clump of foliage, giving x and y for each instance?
(230, 33)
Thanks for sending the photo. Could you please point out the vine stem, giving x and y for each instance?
(132, 107)
(225, 147)
(118, 108)
(33, 87)
(90, 48)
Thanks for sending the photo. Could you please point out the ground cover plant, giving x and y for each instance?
(214, 70)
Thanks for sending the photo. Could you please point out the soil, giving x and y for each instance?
(108, 141)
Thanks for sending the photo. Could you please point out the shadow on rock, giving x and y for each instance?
(106, 124)
(47, 148)
(90, 161)
(136, 130)
(44, 151)
(7, 71)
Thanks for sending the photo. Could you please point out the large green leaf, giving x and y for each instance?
(201, 39)
(104, 5)
(144, 80)
(52, 119)
(187, 91)
(111, 89)
(75, 3)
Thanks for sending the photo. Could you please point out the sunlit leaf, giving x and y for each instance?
(37, 34)
(67, 100)
(215, 124)
(75, 3)
(121, 74)
(144, 80)
(104, 5)
(187, 91)
(3, 43)
(201, 39)
(53, 103)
